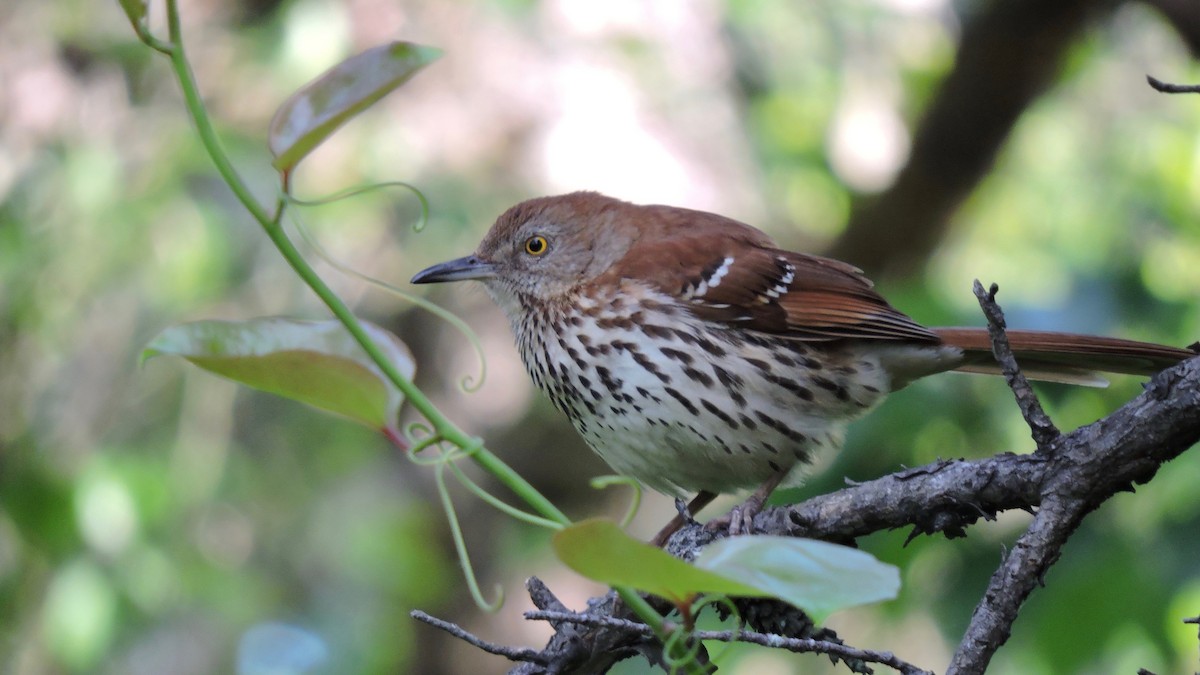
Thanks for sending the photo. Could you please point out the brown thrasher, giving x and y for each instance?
(696, 356)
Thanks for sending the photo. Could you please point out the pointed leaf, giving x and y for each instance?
(601, 551)
(816, 576)
(315, 111)
(136, 11)
(315, 362)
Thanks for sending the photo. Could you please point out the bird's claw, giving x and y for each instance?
(739, 520)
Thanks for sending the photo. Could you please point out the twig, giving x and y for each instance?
(511, 653)
(1045, 434)
(581, 651)
(808, 645)
(1195, 620)
(1168, 88)
(567, 616)
(798, 645)
(542, 597)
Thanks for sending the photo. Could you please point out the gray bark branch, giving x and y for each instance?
(1065, 480)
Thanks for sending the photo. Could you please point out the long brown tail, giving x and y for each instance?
(1063, 357)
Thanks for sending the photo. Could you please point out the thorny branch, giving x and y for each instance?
(1066, 479)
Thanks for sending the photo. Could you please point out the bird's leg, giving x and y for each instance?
(740, 519)
(684, 511)
(701, 500)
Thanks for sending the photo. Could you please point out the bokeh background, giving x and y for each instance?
(156, 519)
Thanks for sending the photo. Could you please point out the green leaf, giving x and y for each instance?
(601, 551)
(315, 111)
(136, 11)
(819, 577)
(315, 362)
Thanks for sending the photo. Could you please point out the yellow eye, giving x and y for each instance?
(536, 245)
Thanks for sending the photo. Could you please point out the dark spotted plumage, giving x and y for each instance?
(695, 355)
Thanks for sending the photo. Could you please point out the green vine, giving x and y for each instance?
(451, 433)
(468, 383)
(438, 429)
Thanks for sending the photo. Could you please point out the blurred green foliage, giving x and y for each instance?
(159, 520)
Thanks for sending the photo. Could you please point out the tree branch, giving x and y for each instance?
(1168, 88)
(1062, 482)
(511, 653)
(1045, 434)
(584, 650)
(798, 645)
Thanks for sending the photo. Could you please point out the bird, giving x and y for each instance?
(695, 355)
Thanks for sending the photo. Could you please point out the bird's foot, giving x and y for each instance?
(740, 519)
(683, 517)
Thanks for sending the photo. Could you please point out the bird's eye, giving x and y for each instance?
(536, 245)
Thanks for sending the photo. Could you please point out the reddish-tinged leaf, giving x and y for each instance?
(315, 362)
(315, 111)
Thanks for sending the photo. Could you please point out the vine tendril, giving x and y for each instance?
(460, 545)
(468, 383)
(417, 430)
(500, 504)
(414, 453)
(363, 189)
(635, 501)
(698, 605)
(673, 657)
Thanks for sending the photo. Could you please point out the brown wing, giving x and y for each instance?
(729, 272)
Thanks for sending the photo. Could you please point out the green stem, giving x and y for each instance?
(443, 428)
(652, 618)
(208, 135)
(441, 425)
(498, 504)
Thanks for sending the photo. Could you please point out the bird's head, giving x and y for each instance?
(544, 248)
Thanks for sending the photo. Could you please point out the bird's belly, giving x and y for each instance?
(721, 412)
(680, 454)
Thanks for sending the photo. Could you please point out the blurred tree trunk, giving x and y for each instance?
(1009, 54)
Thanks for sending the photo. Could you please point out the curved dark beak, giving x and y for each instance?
(459, 269)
